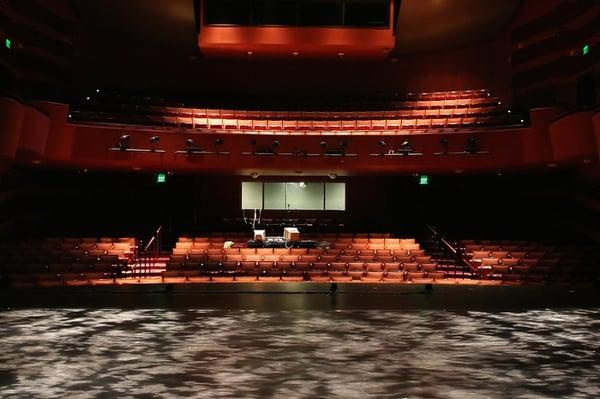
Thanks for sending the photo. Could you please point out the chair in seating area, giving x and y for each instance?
(372, 276)
(411, 267)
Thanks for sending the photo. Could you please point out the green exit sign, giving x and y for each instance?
(423, 180)
(161, 178)
(585, 50)
(8, 43)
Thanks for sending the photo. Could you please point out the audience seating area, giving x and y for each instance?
(50, 262)
(524, 261)
(421, 112)
(374, 258)
(343, 258)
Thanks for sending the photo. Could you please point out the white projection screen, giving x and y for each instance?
(291, 196)
(304, 196)
(252, 195)
(275, 196)
(335, 196)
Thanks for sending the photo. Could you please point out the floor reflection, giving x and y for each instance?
(348, 354)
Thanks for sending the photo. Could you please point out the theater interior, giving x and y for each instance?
(309, 198)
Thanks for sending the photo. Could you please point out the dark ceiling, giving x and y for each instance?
(151, 46)
(423, 25)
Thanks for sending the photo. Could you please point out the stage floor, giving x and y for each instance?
(318, 353)
(305, 296)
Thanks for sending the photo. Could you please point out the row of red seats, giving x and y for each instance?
(329, 256)
(308, 126)
(304, 266)
(451, 94)
(171, 277)
(46, 280)
(58, 268)
(417, 110)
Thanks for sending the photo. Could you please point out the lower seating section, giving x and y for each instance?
(525, 261)
(338, 258)
(49, 262)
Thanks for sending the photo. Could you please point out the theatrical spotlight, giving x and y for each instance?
(332, 176)
(218, 143)
(323, 146)
(255, 175)
(274, 146)
(405, 148)
(190, 146)
(472, 146)
(382, 144)
(444, 144)
(153, 141)
(124, 142)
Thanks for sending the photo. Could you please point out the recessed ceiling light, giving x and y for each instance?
(295, 53)
(340, 54)
(250, 53)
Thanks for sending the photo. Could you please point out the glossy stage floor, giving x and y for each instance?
(455, 342)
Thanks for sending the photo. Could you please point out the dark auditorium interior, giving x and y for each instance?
(248, 196)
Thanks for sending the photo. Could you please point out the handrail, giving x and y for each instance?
(149, 243)
(442, 240)
(146, 257)
(449, 246)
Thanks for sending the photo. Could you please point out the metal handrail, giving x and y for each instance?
(148, 254)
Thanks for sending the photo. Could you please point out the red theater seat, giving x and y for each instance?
(429, 267)
(392, 267)
(372, 277)
(413, 276)
(394, 277)
(410, 267)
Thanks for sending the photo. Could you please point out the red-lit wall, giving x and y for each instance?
(480, 65)
(596, 121)
(12, 113)
(572, 137)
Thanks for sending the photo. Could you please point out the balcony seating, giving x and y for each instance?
(443, 110)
